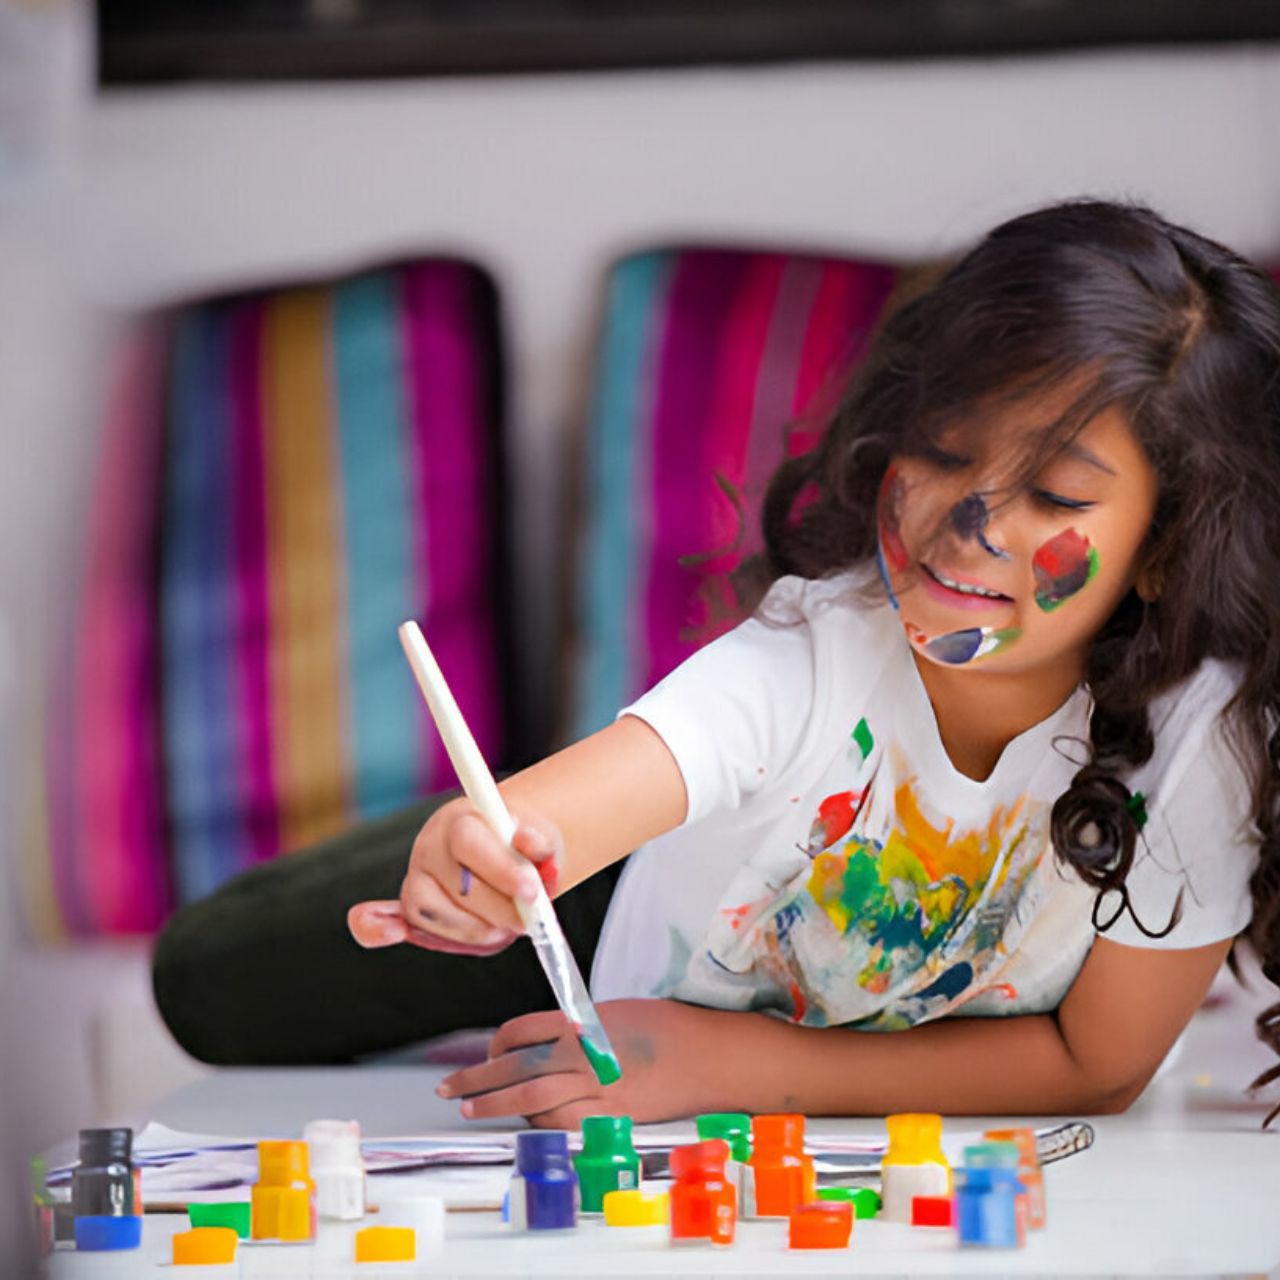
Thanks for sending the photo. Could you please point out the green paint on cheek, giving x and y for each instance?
(603, 1063)
(1062, 568)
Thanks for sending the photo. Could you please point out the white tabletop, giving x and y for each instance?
(1185, 1183)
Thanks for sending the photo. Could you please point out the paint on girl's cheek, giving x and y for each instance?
(1063, 566)
(955, 648)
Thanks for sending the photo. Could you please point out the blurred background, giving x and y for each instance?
(316, 313)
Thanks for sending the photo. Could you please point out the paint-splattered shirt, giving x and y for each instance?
(836, 868)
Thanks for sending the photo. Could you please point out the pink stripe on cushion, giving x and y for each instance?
(255, 782)
(453, 449)
(703, 291)
(120, 836)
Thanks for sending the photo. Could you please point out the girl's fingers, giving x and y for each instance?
(382, 924)
(529, 1029)
(489, 879)
(511, 1068)
(426, 907)
(534, 1097)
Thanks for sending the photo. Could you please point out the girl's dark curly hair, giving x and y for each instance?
(1113, 306)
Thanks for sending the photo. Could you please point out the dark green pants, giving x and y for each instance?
(263, 972)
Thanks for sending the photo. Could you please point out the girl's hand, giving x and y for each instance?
(458, 892)
(537, 1068)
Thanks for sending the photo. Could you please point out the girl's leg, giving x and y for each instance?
(264, 972)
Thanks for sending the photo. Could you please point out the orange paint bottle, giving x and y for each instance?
(703, 1204)
(784, 1175)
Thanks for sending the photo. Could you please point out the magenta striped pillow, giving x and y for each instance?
(284, 478)
(714, 366)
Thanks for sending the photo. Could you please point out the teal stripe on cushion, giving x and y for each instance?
(618, 468)
(376, 473)
(196, 611)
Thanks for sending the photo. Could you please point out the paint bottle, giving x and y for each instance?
(784, 1175)
(1005, 1156)
(865, 1200)
(284, 1197)
(607, 1162)
(42, 1206)
(104, 1192)
(1030, 1172)
(703, 1201)
(543, 1191)
(734, 1127)
(337, 1169)
(913, 1165)
(986, 1211)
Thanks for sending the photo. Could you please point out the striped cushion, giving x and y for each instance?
(715, 366)
(286, 477)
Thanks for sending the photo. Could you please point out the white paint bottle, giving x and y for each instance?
(337, 1169)
(913, 1165)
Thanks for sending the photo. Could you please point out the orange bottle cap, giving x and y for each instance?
(204, 1247)
(283, 1164)
(824, 1224)
(386, 1244)
(778, 1131)
(1023, 1139)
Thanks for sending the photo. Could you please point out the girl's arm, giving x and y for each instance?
(1094, 1055)
(577, 811)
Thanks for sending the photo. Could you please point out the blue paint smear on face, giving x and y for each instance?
(956, 646)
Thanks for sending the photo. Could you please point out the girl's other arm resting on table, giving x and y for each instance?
(1096, 1053)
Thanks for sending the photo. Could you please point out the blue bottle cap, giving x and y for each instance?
(100, 1234)
(540, 1150)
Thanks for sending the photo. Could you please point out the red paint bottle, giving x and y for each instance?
(784, 1174)
(703, 1203)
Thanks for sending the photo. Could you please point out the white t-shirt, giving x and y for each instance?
(834, 867)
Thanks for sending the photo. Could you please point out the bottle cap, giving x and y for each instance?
(824, 1224)
(636, 1209)
(734, 1127)
(992, 1155)
(1023, 1139)
(106, 1146)
(780, 1131)
(606, 1136)
(283, 1164)
(386, 1244)
(865, 1200)
(698, 1160)
(931, 1211)
(100, 1234)
(333, 1143)
(541, 1150)
(204, 1247)
(236, 1214)
(914, 1138)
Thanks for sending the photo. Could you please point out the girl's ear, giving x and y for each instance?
(1150, 582)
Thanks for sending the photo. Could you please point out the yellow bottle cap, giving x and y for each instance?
(283, 1164)
(636, 1209)
(914, 1138)
(386, 1244)
(204, 1247)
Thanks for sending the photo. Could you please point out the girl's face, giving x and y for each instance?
(1008, 581)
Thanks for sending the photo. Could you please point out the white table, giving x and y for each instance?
(1185, 1183)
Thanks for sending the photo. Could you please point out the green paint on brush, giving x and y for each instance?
(603, 1062)
(862, 736)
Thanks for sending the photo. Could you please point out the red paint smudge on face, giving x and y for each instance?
(888, 505)
(1062, 566)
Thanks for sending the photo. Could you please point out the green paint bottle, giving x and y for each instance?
(607, 1161)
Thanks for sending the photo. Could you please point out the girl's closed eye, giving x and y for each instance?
(1051, 499)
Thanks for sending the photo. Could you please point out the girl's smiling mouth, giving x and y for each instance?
(959, 593)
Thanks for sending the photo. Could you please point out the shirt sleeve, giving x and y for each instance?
(1199, 839)
(733, 713)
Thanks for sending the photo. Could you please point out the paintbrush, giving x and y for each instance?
(538, 916)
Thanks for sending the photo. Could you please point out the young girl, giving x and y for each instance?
(992, 767)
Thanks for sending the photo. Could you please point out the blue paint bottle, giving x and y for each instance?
(543, 1191)
(986, 1207)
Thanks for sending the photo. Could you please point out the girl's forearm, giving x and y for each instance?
(955, 1066)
